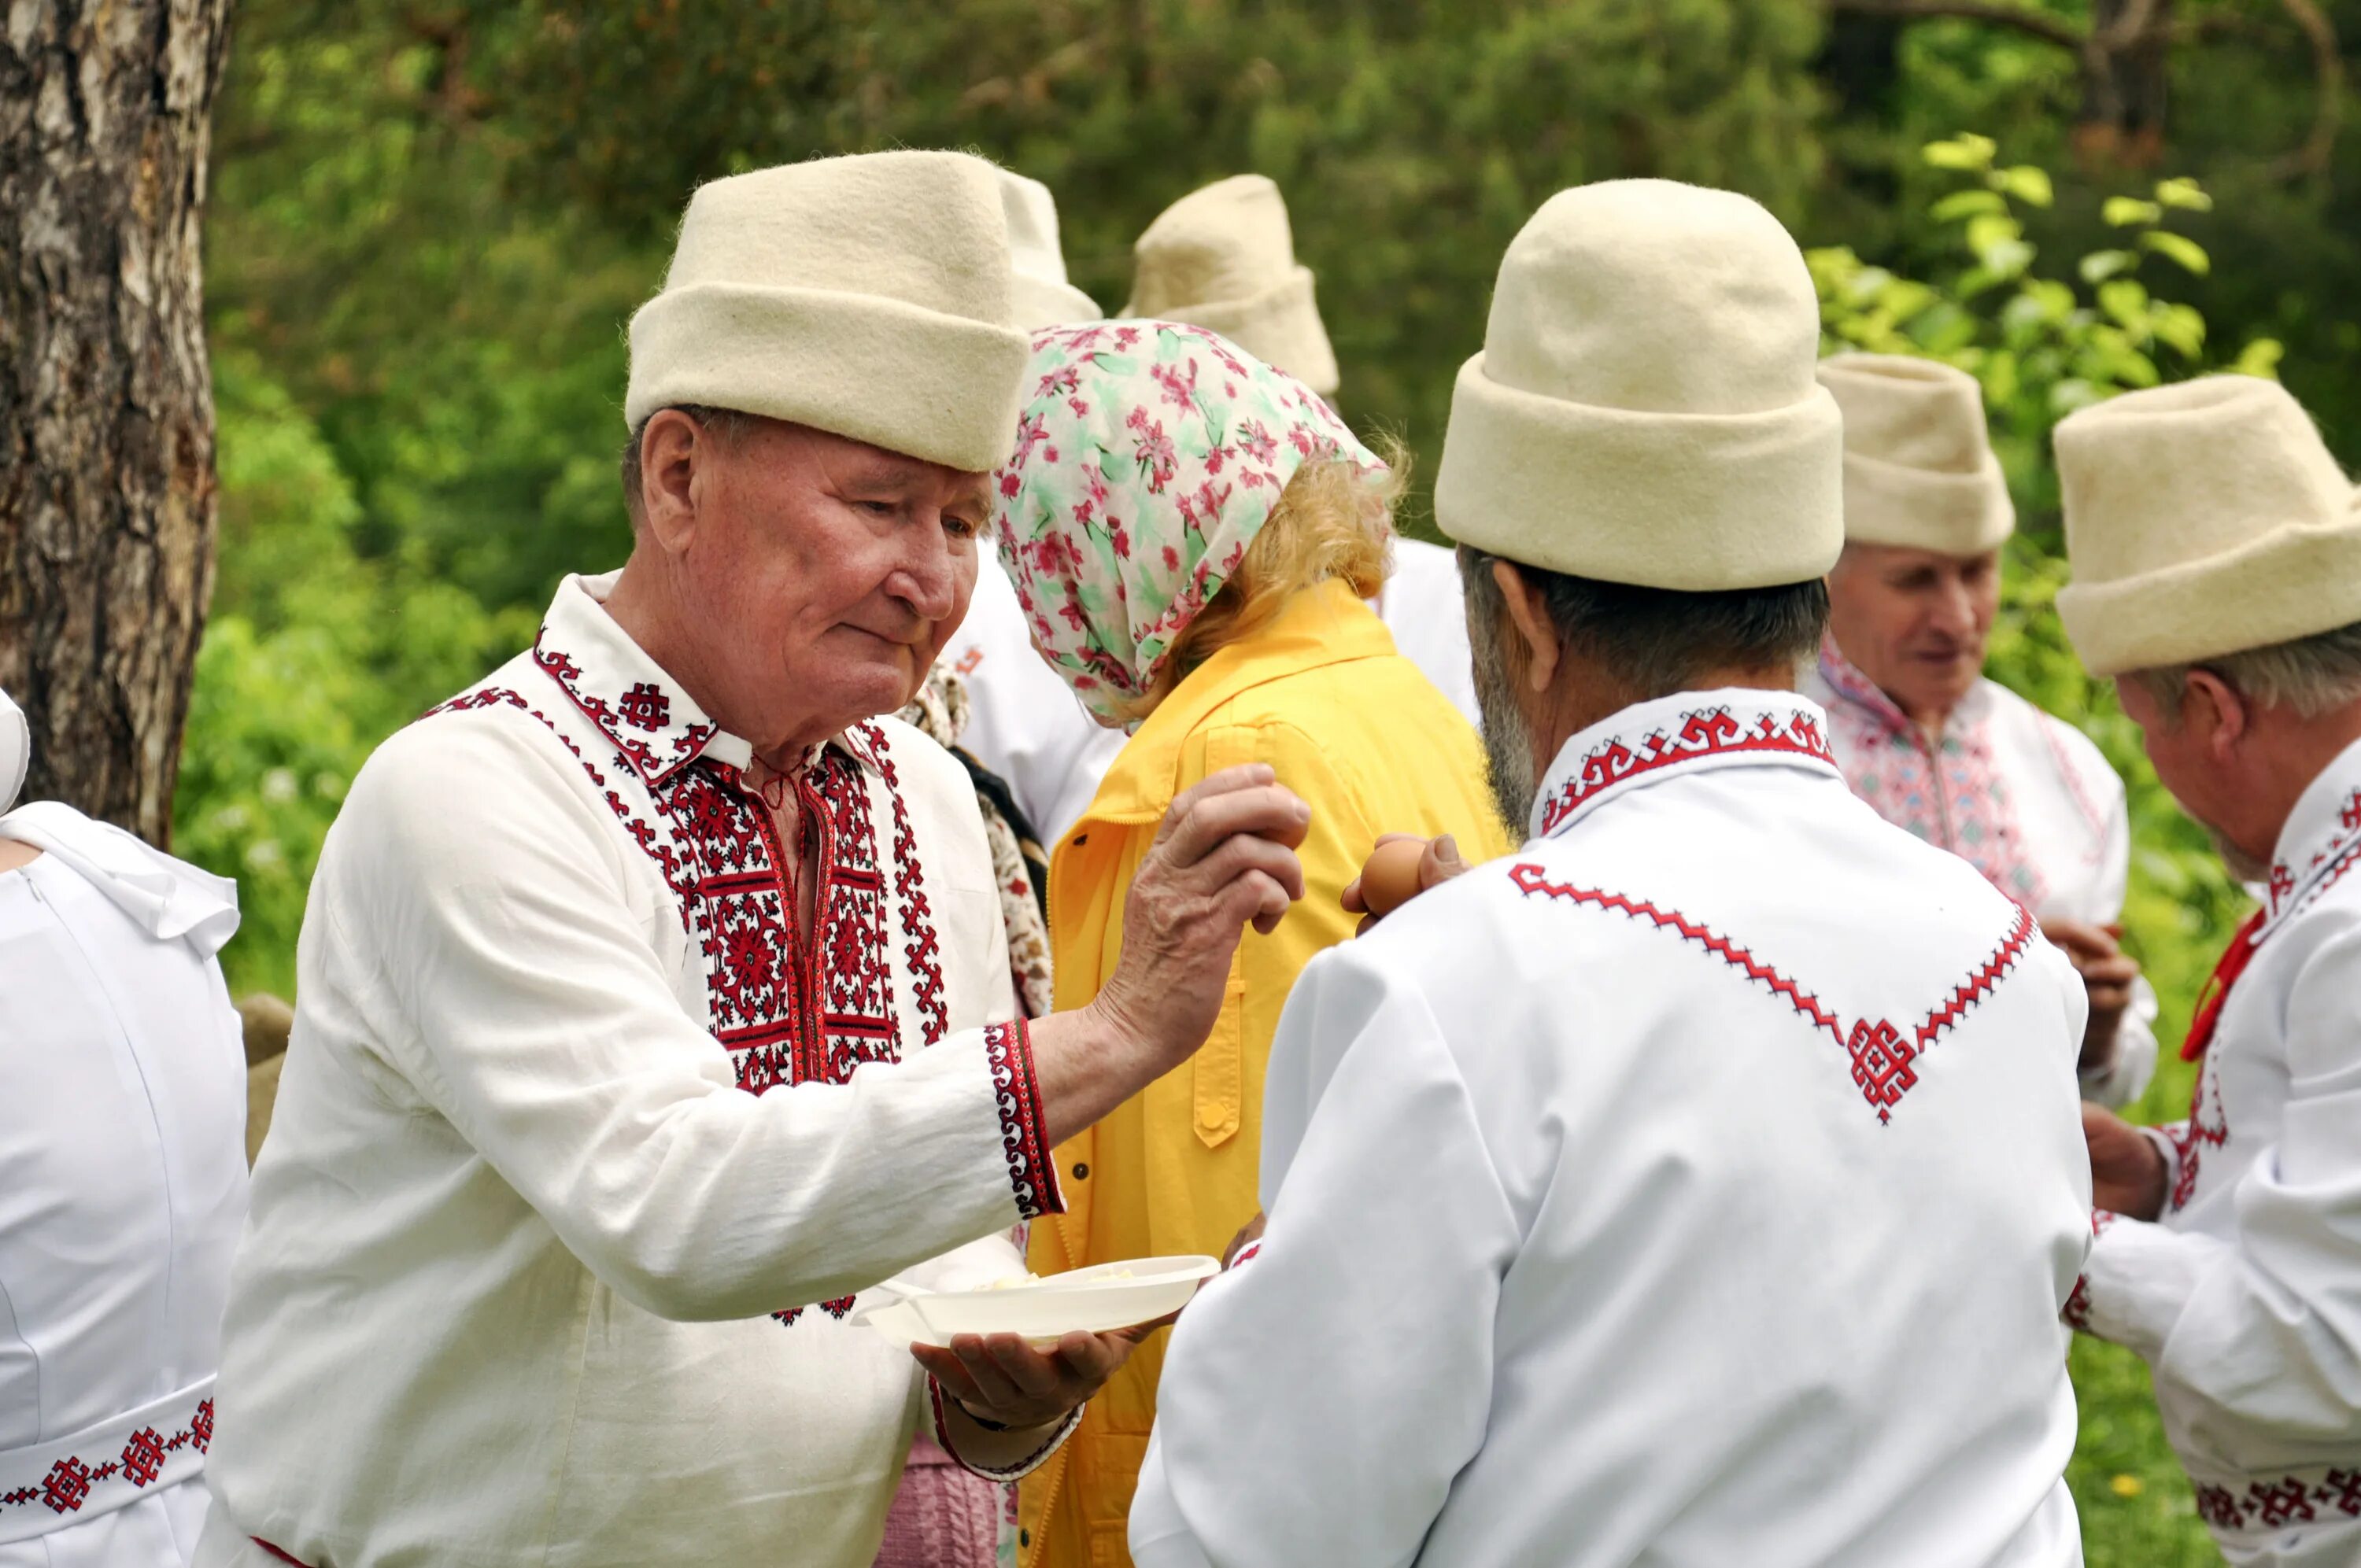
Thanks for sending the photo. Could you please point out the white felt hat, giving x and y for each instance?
(1644, 408)
(1038, 290)
(866, 296)
(1223, 257)
(2203, 518)
(16, 750)
(1918, 464)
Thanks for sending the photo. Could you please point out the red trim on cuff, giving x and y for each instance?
(1016, 1472)
(1016, 1089)
(274, 1552)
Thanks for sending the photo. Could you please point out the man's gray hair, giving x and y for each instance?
(725, 425)
(1656, 642)
(2310, 674)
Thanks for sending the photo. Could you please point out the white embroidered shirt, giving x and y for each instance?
(2024, 797)
(580, 1158)
(2241, 1295)
(1696, 1186)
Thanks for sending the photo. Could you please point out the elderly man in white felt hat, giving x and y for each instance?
(1023, 723)
(1635, 1198)
(1223, 257)
(1962, 761)
(654, 1003)
(2216, 548)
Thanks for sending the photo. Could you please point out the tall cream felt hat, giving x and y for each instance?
(1040, 295)
(1644, 409)
(1918, 464)
(2202, 518)
(1224, 257)
(866, 296)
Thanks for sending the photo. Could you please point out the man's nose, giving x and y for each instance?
(927, 577)
(1955, 611)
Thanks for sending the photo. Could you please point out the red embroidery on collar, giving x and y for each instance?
(73, 1479)
(1884, 1063)
(645, 706)
(2327, 867)
(1703, 732)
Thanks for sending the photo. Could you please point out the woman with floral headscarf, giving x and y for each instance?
(1192, 534)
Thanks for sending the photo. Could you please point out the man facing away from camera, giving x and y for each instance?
(1698, 1184)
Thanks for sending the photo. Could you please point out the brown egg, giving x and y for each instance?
(1389, 876)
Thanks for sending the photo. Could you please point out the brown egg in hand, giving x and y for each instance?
(1389, 876)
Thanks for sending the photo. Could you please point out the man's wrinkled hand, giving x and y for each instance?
(1220, 862)
(2108, 975)
(2127, 1170)
(1003, 1379)
(1438, 865)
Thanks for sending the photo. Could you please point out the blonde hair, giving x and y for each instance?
(1333, 520)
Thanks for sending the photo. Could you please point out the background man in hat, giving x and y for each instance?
(2216, 548)
(653, 999)
(1223, 257)
(1962, 761)
(1636, 1197)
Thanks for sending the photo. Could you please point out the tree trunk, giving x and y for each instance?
(106, 414)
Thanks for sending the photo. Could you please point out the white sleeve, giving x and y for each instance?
(510, 981)
(1318, 1400)
(2264, 1331)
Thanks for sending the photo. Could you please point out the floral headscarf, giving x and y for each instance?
(1148, 456)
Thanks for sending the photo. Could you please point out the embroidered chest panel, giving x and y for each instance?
(787, 1010)
(1884, 1059)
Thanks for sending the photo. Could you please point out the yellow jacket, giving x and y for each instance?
(1360, 734)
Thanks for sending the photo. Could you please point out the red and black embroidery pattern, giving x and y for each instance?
(921, 949)
(1016, 1472)
(1008, 1049)
(1701, 733)
(71, 1480)
(1883, 1061)
(2274, 1503)
(2191, 1138)
(2076, 1313)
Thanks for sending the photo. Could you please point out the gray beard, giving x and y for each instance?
(1507, 743)
(2244, 867)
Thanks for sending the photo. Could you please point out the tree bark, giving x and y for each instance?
(106, 416)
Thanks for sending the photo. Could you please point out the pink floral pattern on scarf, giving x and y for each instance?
(1147, 458)
(1951, 797)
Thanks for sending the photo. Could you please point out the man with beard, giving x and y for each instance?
(2216, 548)
(1699, 1184)
(1962, 761)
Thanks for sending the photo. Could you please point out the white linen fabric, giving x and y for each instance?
(537, 1270)
(2240, 1295)
(1704, 1177)
(1024, 722)
(122, 1186)
(2024, 796)
(1423, 607)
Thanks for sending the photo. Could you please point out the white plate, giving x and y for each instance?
(1090, 1300)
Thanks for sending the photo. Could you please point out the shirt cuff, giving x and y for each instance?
(2134, 1285)
(998, 1455)
(1032, 1173)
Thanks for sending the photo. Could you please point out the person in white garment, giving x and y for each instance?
(653, 1001)
(1697, 1185)
(122, 1183)
(1223, 257)
(2216, 554)
(1023, 723)
(1923, 736)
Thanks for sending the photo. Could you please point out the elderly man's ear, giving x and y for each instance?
(671, 448)
(1531, 619)
(2216, 709)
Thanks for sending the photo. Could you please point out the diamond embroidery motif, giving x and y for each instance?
(1881, 1065)
(143, 1456)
